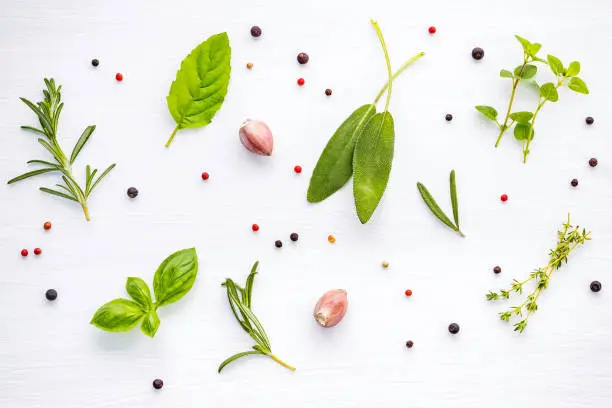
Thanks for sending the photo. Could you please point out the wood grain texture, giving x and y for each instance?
(51, 357)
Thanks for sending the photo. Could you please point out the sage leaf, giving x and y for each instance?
(335, 165)
(549, 92)
(139, 291)
(521, 117)
(81, 143)
(150, 323)
(577, 85)
(118, 315)
(521, 130)
(528, 72)
(555, 64)
(434, 207)
(504, 73)
(175, 276)
(488, 111)
(201, 84)
(454, 201)
(372, 164)
(573, 69)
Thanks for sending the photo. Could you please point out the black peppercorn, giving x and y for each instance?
(255, 31)
(158, 384)
(574, 182)
(294, 236)
(132, 192)
(303, 58)
(593, 162)
(497, 269)
(328, 92)
(477, 53)
(51, 294)
(595, 286)
(448, 117)
(409, 344)
(589, 120)
(278, 243)
(95, 62)
(453, 328)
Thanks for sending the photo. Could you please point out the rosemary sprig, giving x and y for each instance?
(48, 112)
(240, 301)
(435, 208)
(569, 238)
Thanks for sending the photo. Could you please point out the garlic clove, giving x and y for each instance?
(256, 137)
(331, 308)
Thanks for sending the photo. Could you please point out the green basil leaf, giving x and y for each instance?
(372, 164)
(525, 43)
(528, 72)
(504, 73)
(555, 64)
(488, 111)
(150, 323)
(175, 276)
(118, 315)
(521, 117)
(521, 130)
(335, 166)
(549, 92)
(139, 291)
(573, 69)
(533, 49)
(201, 84)
(577, 85)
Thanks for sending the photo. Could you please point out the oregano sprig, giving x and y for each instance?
(569, 238)
(48, 111)
(435, 208)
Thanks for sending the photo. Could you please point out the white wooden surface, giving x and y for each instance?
(51, 357)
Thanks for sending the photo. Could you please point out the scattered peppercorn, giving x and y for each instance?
(158, 384)
(37, 251)
(504, 197)
(119, 77)
(453, 328)
(255, 227)
(331, 239)
(593, 162)
(132, 192)
(409, 344)
(24, 252)
(477, 53)
(574, 182)
(300, 81)
(303, 58)
(255, 31)
(408, 292)
(595, 286)
(432, 30)
(95, 62)
(51, 294)
(497, 269)
(589, 120)
(385, 264)
(297, 169)
(47, 225)
(278, 243)
(294, 236)
(205, 176)
(448, 117)
(328, 92)
(249, 65)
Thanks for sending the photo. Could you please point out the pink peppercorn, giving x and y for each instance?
(119, 77)
(297, 169)
(205, 176)
(504, 198)
(301, 81)
(432, 30)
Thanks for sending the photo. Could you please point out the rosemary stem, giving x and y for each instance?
(86, 211)
(169, 142)
(281, 362)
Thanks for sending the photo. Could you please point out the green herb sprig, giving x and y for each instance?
(569, 238)
(240, 301)
(173, 279)
(362, 147)
(524, 121)
(435, 208)
(48, 112)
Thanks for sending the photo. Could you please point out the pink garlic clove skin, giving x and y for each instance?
(331, 308)
(256, 137)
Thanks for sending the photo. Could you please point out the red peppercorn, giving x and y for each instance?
(119, 77)
(47, 225)
(432, 30)
(205, 176)
(408, 292)
(504, 197)
(24, 252)
(300, 81)
(255, 227)
(297, 169)
(37, 251)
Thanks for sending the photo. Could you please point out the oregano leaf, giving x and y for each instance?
(555, 64)
(524, 42)
(549, 92)
(573, 69)
(521, 130)
(529, 71)
(504, 73)
(577, 85)
(533, 49)
(521, 117)
(488, 111)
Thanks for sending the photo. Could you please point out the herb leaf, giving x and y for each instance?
(453, 195)
(435, 208)
(555, 64)
(150, 323)
(81, 142)
(573, 69)
(521, 131)
(32, 174)
(118, 315)
(521, 117)
(175, 276)
(549, 92)
(577, 85)
(527, 72)
(335, 166)
(139, 291)
(201, 84)
(504, 73)
(488, 111)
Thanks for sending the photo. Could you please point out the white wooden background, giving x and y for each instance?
(51, 357)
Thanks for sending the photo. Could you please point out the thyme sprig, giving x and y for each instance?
(569, 238)
(240, 301)
(48, 112)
